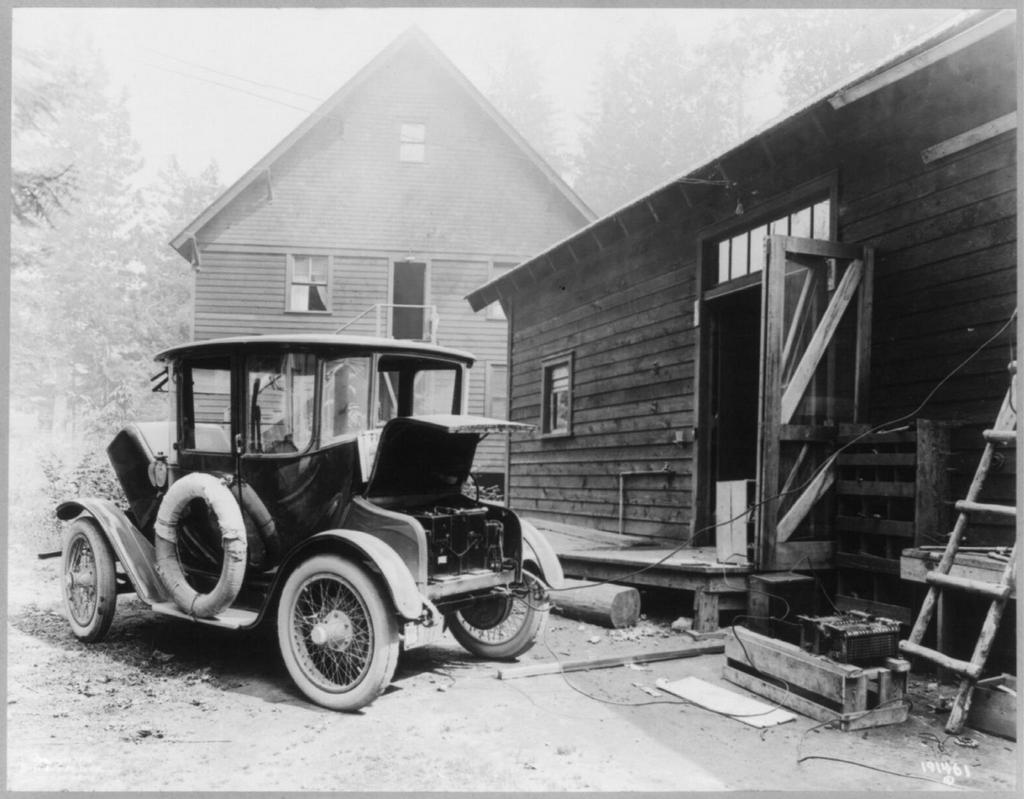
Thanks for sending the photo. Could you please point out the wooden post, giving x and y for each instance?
(705, 611)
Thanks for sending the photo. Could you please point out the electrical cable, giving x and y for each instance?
(878, 429)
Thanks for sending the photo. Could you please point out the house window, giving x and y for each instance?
(494, 310)
(307, 283)
(556, 399)
(743, 253)
(496, 397)
(412, 146)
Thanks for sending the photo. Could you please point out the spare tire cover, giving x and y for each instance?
(219, 499)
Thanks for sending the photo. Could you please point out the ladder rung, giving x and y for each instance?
(1001, 436)
(963, 506)
(963, 667)
(991, 590)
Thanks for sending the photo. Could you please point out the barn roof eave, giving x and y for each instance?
(516, 280)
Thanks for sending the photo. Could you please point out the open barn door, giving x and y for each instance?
(815, 350)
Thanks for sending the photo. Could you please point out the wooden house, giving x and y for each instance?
(705, 348)
(397, 196)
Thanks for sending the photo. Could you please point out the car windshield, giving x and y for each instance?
(281, 391)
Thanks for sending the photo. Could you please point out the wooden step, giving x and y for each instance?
(991, 590)
(1001, 436)
(963, 667)
(964, 506)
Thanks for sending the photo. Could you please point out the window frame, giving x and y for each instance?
(492, 374)
(548, 366)
(245, 420)
(186, 438)
(291, 283)
(410, 144)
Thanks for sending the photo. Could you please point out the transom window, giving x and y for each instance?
(743, 253)
(412, 147)
(556, 389)
(307, 290)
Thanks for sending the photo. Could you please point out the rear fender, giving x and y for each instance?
(401, 586)
(537, 548)
(133, 550)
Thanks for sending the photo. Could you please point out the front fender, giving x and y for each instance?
(535, 543)
(399, 580)
(133, 550)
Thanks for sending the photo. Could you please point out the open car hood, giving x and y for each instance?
(430, 455)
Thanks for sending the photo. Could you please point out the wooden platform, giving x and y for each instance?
(590, 554)
(916, 563)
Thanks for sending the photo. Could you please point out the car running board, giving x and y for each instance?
(230, 619)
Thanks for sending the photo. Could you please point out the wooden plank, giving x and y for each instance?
(862, 363)
(775, 657)
(871, 488)
(902, 614)
(779, 695)
(962, 141)
(868, 563)
(798, 511)
(844, 294)
(876, 459)
(566, 666)
(803, 432)
(726, 703)
(872, 525)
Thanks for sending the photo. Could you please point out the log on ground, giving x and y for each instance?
(606, 604)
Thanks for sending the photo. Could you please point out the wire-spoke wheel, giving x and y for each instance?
(503, 626)
(90, 584)
(338, 637)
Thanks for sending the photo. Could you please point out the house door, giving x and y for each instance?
(815, 349)
(408, 300)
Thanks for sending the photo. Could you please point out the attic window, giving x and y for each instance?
(412, 147)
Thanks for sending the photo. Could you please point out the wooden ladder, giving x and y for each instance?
(1003, 433)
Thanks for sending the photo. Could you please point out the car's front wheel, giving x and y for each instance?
(338, 637)
(503, 626)
(90, 582)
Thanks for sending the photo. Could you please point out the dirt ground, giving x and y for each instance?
(166, 705)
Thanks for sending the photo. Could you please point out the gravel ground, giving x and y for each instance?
(166, 705)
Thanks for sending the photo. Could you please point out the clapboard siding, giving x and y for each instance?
(340, 189)
(476, 191)
(621, 297)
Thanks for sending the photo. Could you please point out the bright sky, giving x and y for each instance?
(228, 84)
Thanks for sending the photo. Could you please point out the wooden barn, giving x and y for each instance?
(377, 214)
(703, 351)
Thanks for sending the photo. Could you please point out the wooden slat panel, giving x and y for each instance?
(876, 489)
(868, 563)
(857, 524)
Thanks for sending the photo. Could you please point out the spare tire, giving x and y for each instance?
(219, 499)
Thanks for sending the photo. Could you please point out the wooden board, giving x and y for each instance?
(720, 700)
(564, 666)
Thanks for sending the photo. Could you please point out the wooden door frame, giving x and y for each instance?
(822, 187)
(769, 551)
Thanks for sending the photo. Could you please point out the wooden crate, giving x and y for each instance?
(892, 493)
(853, 696)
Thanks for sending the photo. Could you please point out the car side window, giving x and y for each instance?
(345, 400)
(206, 406)
(280, 403)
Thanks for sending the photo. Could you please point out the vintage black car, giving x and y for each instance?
(317, 482)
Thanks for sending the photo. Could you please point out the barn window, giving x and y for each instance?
(494, 310)
(742, 253)
(307, 283)
(556, 390)
(412, 146)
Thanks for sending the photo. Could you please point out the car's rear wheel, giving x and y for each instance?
(337, 634)
(501, 627)
(90, 584)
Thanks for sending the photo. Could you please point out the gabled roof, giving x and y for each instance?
(962, 31)
(413, 37)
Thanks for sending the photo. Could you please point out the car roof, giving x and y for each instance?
(317, 341)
